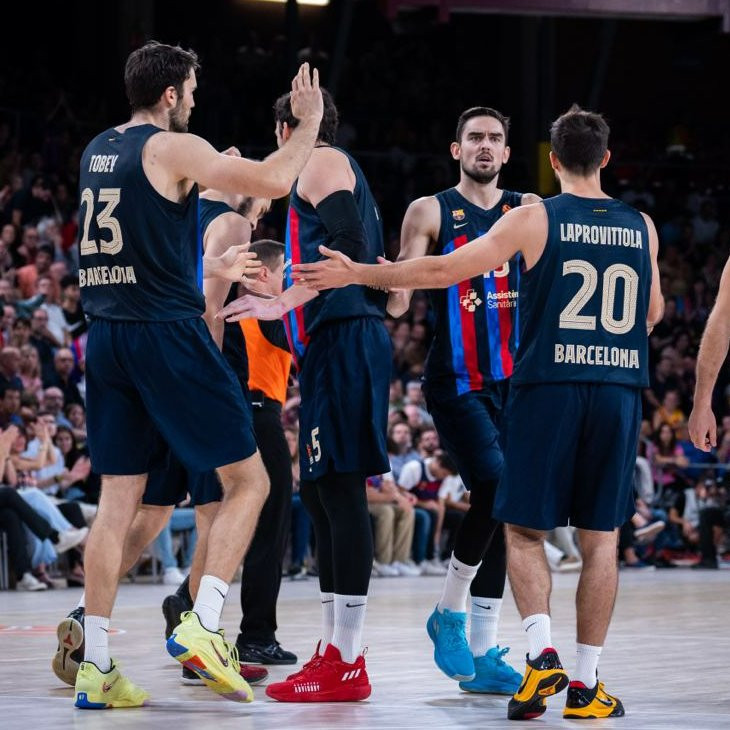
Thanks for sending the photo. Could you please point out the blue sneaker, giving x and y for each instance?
(447, 630)
(493, 674)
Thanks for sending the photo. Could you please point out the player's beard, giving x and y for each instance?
(483, 178)
(178, 118)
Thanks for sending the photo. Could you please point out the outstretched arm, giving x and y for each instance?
(259, 307)
(523, 228)
(712, 354)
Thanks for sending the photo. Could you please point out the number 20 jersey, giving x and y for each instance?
(140, 254)
(583, 305)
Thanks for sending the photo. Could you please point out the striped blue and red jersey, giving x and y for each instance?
(305, 232)
(476, 320)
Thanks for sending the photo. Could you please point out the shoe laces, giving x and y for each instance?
(455, 637)
(500, 654)
(231, 649)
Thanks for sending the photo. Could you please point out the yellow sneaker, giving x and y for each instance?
(97, 690)
(544, 676)
(583, 703)
(210, 656)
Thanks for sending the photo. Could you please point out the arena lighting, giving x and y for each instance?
(318, 3)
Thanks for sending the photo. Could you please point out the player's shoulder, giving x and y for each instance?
(530, 199)
(425, 206)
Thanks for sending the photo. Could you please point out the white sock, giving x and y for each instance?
(209, 602)
(586, 665)
(456, 586)
(484, 623)
(96, 642)
(328, 619)
(82, 601)
(537, 627)
(349, 622)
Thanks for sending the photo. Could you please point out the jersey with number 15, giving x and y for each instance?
(140, 254)
(583, 305)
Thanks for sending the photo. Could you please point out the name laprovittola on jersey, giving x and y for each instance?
(583, 305)
(140, 253)
(476, 328)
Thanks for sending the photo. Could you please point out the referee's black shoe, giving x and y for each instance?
(251, 652)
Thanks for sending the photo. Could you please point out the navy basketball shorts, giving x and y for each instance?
(468, 428)
(154, 384)
(344, 384)
(570, 455)
(173, 485)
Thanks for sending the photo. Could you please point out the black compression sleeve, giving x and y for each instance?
(340, 216)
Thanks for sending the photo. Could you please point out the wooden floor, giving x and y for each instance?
(667, 658)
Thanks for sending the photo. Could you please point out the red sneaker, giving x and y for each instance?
(254, 674)
(316, 658)
(328, 679)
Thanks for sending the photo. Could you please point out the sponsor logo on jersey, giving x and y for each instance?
(470, 301)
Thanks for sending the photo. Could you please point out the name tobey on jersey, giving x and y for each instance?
(98, 275)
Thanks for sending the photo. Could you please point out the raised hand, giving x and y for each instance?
(236, 264)
(306, 96)
(337, 270)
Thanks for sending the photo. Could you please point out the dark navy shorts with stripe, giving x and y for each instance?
(150, 384)
(344, 384)
(570, 455)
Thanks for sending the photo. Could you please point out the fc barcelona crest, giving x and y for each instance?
(458, 215)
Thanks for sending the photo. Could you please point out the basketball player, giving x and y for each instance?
(219, 225)
(153, 371)
(465, 383)
(343, 353)
(588, 292)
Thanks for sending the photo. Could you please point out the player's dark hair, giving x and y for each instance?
(481, 111)
(579, 139)
(446, 462)
(152, 68)
(328, 125)
(268, 251)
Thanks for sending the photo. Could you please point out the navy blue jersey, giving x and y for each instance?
(305, 232)
(140, 254)
(583, 305)
(208, 211)
(476, 320)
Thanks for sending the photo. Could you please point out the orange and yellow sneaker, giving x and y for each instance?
(544, 676)
(587, 704)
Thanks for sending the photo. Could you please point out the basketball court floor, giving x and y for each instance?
(666, 658)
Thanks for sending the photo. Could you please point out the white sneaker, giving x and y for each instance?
(30, 583)
(432, 567)
(70, 538)
(387, 570)
(407, 569)
(569, 564)
(172, 577)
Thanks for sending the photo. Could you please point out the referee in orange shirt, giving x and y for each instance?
(269, 362)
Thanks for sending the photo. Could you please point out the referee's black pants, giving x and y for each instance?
(262, 567)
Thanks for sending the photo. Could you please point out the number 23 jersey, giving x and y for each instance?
(583, 305)
(140, 254)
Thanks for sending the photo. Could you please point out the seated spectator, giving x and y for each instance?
(77, 483)
(7, 322)
(75, 414)
(456, 504)
(71, 305)
(669, 411)
(30, 371)
(10, 408)
(21, 334)
(685, 511)
(394, 519)
(43, 341)
(401, 449)
(713, 526)
(53, 403)
(64, 364)
(182, 520)
(417, 417)
(427, 442)
(10, 369)
(667, 459)
(27, 276)
(423, 479)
